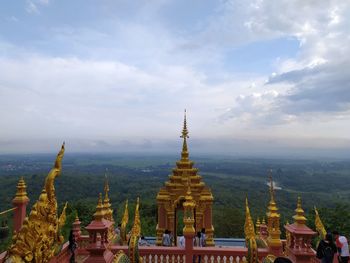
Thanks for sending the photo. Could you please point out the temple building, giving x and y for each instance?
(171, 197)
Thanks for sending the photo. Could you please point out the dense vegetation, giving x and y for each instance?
(321, 183)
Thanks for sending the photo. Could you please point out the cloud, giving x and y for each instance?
(31, 8)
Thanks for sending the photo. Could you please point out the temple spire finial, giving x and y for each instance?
(184, 135)
(272, 190)
(299, 217)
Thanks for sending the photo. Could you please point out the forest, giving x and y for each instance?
(322, 183)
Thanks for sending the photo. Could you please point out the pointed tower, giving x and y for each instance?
(249, 233)
(171, 197)
(20, 202)
(273, 224)
(99, 249)
(299, 238)
(124, 223)
(108, 212)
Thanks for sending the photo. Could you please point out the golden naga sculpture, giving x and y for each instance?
(133, 250)
(39, 238)
(249, 233)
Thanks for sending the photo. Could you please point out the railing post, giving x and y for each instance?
(189, 247)
(20, 203)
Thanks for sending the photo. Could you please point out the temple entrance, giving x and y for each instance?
(178, 224)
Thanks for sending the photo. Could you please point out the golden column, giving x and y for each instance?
(20, 202)
(188, 230)
(273, 224)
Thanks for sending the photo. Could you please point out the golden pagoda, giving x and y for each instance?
(273, 222)
(171, 197)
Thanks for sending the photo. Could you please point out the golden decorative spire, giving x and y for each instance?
(299, 218)
(263, 221)
(273, 218)
(249, 225)
(124, 223)
(21, 193)
(249, 233)
(272, 190)
(106, 202)
(319, 225)
(136, 229)
(184, 153)
(99, 214)
(257, 225)
(188, 206)
(39, 236)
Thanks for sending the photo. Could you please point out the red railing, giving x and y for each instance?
(154, 254)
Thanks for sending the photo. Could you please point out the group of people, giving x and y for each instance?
(332, 245)
(198, 241)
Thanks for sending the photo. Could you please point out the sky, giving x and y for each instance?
(256, 77)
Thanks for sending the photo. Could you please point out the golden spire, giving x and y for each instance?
(136, 229)
(249, 231)
(257, 225)
(106, 202)
(319, 225)
(21, 193)
(76, 216)
(184, 135)
(263, 221)
(272, 190)
(99, 214)
(124, 223)
(299, 218)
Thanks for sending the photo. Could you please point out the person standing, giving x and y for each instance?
(326, 249)
(166, 238)
(343, 247)
(203, 238)
(182, 241)
(72, 245)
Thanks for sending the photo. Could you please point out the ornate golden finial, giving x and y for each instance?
(76, 216)
(99, 214)
(184, 153)
(263, 221)
(188, 206)
(106, 202)
(249, 225)
(124, 223)
(299, 218)
(21, 193)
(272, 190)
(319, 225)
(258, 223)
(136, 229)
(39, 236)
(249, 233)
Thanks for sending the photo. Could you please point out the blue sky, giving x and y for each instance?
(110, 75)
